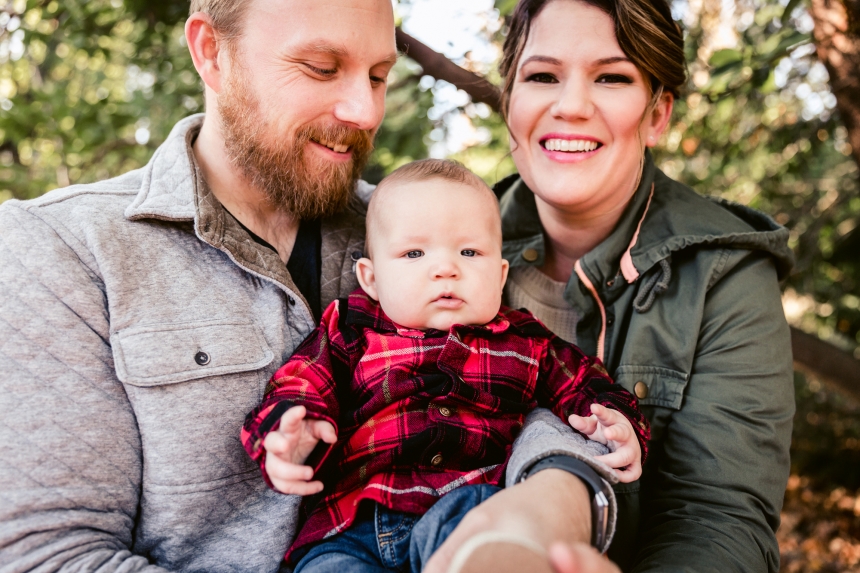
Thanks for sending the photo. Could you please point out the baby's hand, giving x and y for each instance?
(610, 427)
(289, 446)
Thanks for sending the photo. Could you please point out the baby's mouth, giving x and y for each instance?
(570, 145)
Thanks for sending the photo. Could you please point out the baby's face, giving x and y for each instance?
(437, 258)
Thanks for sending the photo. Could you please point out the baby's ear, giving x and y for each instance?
(366, 277)
(506, 266)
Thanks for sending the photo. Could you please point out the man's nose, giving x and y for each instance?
(361, 104)
(575, 101)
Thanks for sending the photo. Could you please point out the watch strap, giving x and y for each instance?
(596, 487)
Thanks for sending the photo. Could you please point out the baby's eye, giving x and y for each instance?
(415, 254)
(468, 252)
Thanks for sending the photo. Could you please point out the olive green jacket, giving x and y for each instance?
(689, 319)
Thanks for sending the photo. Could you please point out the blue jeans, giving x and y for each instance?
(384, 540)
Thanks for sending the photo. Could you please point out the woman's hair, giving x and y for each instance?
(645, 31)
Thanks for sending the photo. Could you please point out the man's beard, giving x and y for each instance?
(306, 187)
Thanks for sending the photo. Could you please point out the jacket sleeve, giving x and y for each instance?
(570, 382)
(713, 500)
(307, 379)
(69, 447)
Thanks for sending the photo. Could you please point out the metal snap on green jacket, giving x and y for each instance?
(682, 303)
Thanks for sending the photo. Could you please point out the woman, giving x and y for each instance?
(677, 293)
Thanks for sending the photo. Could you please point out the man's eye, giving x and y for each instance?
(469, 252)
(614, 79)
(541, 78)
(321, 71)
(415, 254)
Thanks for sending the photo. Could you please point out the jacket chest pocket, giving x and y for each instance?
(191, 385)
(660, 392)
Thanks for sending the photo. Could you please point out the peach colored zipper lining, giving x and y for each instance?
(627, 269)
(601, 339)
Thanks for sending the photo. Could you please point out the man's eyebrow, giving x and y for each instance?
(322, 47)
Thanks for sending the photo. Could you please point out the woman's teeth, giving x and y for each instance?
(575, 145)
(334, 146)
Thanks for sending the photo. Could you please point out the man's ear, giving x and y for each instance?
(205, 49)
(366, 277)
(506, 266)
(658, 118)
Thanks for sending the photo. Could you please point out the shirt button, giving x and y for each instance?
(530, 255)
(201, 358)
(437, 460)
(444, 411)
(641, 389)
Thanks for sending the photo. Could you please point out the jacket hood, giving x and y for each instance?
(663, 217)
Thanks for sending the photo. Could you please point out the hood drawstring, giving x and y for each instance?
(654, 284)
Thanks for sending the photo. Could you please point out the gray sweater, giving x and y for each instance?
(139, 324)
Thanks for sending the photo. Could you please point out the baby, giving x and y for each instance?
(408, 396)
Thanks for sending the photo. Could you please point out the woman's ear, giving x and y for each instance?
(658, 118)
(366, 277)
(205, 49)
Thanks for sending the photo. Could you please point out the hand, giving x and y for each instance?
(551, 505)
(289, 446)
(579, 558)
(610, 427)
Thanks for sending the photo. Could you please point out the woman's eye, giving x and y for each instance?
(414, 254)
(325, 72)
(468, 252)
(614, 79)
(541, 78)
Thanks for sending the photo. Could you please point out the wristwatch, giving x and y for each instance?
(597, 487)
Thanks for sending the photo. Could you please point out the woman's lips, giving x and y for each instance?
(566, 148)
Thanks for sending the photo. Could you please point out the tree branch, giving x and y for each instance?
(825, 361)
(438, 66)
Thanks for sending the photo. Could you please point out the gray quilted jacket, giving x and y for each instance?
(139, 323)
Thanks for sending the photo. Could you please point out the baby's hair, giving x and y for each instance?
(423, 170)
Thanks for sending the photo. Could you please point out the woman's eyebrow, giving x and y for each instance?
(542, 59)
(613, 60)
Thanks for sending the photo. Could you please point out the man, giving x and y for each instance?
(141, 317)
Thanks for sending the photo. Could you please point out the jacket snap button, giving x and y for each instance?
(437, 460)
(201, 358)
(641, 389)
(530, 255)
(444, 411)
(355, 255)
(291, 300)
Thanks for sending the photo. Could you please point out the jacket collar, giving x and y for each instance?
(363, 311)
(663, 216)
(168, 187)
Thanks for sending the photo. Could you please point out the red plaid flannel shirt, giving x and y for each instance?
(419, 413)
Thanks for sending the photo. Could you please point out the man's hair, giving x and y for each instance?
(423, 170)
(228, 16)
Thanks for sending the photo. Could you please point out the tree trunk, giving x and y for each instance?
(837, 41)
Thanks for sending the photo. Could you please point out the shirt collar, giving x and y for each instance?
(524, 242)
(364, 311)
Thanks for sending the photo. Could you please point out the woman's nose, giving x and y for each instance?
(574, 101)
